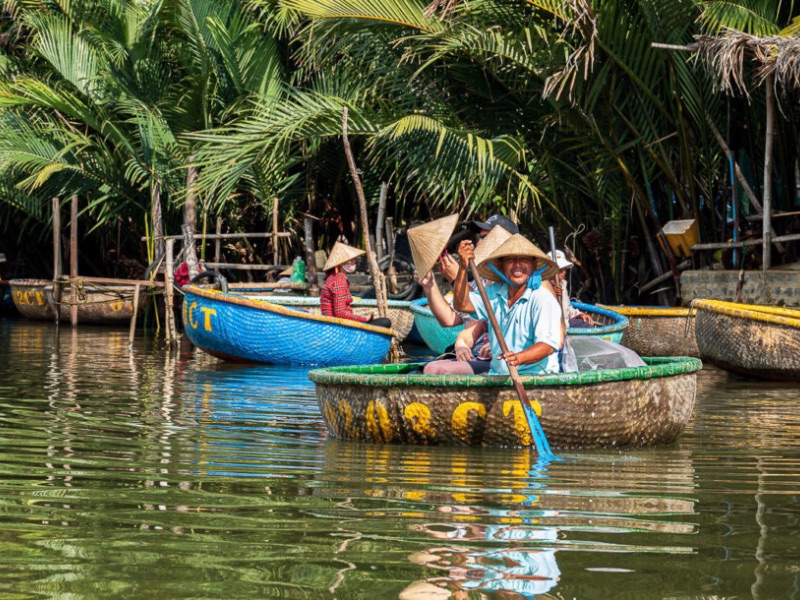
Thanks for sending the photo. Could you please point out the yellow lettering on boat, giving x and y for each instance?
(116, 306)
(39, 298)
(460, 419)
(378, 423)
(330, 418)
(414, 495)
(521, 427)
(420, 417)
(207, 312)
(347, 413)
(192, 318)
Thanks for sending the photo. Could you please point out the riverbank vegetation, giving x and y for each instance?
(562, 113)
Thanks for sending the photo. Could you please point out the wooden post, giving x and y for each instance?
(169, 273)
(189, 220)
(158, 221)
(73, 261)
(768, 145)
(218, 241)
(189, 253)
(379, 224)
(275, 257)
(57, 268)
(311, 264)
(135, 314)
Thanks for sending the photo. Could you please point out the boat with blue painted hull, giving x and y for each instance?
(240, 329)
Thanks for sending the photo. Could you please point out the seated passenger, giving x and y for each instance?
(335, 298)
(525, 307)
(572, 316)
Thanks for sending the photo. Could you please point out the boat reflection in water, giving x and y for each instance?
(508, 566)
(499, 517)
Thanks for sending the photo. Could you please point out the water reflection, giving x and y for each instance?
(145, 472)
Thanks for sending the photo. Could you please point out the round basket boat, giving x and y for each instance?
(659, 330)
(97, 304)
(435, 337)
(759, 341)
(395, 403)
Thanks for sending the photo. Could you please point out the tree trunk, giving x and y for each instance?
(190, 222)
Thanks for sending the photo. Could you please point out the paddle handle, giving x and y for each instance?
(512, 369)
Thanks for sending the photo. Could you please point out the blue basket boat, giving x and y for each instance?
(609, 325)
(240, 329)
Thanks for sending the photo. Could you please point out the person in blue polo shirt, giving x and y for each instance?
(523, 301)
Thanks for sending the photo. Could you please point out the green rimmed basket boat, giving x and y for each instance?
(759, 341)
(659, 330)
(395, 403)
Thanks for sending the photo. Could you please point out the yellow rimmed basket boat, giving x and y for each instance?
(395, 403)
(659, 330)
(759, 341)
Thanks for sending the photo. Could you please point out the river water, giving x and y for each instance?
(143, 473)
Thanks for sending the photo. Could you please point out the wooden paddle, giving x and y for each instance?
(539, 438)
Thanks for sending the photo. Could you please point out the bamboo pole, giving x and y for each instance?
(275, 258)
(311, 264)
(768, 149)
(57, 267)
(169, 273)
(362, 203)
(132, 331)
(218, 240)
(379, 224)
(73, 261)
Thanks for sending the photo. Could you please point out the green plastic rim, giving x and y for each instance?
(408, 374)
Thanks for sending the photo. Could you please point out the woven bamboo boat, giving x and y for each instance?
(639, 406)
(659, 330)
(759, 341)
(97, 304)
(240, 329)
(398, 310)
(609, 325)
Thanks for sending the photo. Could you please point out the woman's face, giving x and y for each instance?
(518, 268)
(349, 266)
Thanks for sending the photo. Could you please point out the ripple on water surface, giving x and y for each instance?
(155, 473)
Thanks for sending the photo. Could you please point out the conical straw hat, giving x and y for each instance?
(517, 245)
(340, 254)
(428, 241)
(493, 240)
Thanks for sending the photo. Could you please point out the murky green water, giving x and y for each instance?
(148, 474)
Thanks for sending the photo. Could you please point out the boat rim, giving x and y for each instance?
(651, 311)
(388, 375)
(259, 304)
(775, 315)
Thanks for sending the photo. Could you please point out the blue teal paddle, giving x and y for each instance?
(539, 438)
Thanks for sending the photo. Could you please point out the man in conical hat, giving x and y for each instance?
(335, 298)
(523, 303)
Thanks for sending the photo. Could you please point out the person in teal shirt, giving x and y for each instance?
(523, 302)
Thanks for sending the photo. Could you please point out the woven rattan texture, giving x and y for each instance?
(758, 341)
(234, 328)
(621, 407)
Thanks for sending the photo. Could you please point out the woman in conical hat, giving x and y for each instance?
(335, 298)
(523, 303)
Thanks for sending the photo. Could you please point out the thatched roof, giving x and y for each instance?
(727, 55)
